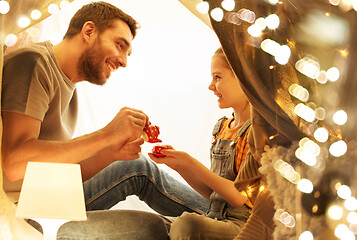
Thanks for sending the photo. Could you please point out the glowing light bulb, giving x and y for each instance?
(342, 232)
(52, 8)
(228, 5)
(340, 117)
(64, 3)
(305, 185)
(272, 21)
(23, 22)
(203, 7)
(306, 236)
(321, 134)
(273, 2)
(305, 112)
(322, 77)
(333, 74)
(335, 212)
(344, 192)
(10, 40)
(217, 14)
(35, 14)
(4, 7)
(351, 204)
(254, 30)
(338, 148)
(352, 217)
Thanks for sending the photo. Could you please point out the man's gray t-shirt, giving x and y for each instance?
(34, 85)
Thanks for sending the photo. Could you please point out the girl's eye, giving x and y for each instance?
(217, 78)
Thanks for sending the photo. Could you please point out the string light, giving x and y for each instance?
(351, 204)
(10, 40)
(36, 14)
(304, 112)
(333, 74)
(306, 236)
(63, 4)
(4, 7)
(340, 117)
(305, 185)
(23, 22)
(342, 232)
(272, 21)
(228, 5)
(344, 192)
(203, 7)
(52, 8)
(338, 148)
(217, 14)
(335, 212)
(321, 134)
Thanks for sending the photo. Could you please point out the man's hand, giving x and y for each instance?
(130, 151)
(127, 125)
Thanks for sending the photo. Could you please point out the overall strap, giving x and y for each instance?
(217, 127)
(243, 130)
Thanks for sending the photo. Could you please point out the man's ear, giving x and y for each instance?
(88, 30)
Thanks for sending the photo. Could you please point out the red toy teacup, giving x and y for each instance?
(151, 134)
(157, 151)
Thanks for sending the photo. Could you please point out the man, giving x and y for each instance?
(39, 108)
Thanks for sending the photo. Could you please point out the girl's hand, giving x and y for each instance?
(174, 159)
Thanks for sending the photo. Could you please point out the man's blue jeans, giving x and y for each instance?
(140, 177)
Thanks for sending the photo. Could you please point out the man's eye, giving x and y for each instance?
(120, 45)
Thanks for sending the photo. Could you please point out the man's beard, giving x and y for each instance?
(90, 67)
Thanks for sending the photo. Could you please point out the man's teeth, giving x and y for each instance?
(110, 67)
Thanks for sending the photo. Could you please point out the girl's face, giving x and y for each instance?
(225, 85)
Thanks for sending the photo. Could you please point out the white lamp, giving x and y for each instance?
(52, 194)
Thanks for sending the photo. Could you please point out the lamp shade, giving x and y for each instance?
(52, 191)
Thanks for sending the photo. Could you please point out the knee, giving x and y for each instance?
(187, 226)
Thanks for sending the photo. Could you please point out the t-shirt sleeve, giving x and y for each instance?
(26, 87)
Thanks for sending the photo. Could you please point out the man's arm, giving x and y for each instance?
(20, 143)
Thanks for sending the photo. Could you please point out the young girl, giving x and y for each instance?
(229, 209)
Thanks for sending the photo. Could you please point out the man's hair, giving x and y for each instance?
(102, 14)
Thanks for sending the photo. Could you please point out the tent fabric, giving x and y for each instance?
(266, 84)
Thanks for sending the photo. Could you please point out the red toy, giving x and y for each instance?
(157, 151)
(151, 133)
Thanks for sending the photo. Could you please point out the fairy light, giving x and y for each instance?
(246, 15)
(272, 21)
(321, 134)
(23, 22)
(340, 117)
(63, 4)
(285, 218)
(352, 217)
(307, 235)
(344, 192)
(254, 30)
(203, 7)
(335, 2)
(333, 74)
(335, 212)
(322, 77)
(36, 14)
(320, 113)
(217, 14)
(10, 40)
(52, 8)
(228, 5)
(308, 66)
(283, 55)
(273, 2)
(305, 112)
(299, 92)
(4, 7)
(351, 204)
(261, 23)
(342, 232)
(305, 185)
(338, 148)
(308, 151)
(287, 171)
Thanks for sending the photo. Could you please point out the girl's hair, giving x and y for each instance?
(102, 14)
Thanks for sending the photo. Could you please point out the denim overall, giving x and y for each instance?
(222, 163)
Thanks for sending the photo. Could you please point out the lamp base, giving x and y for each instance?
(50, 227)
